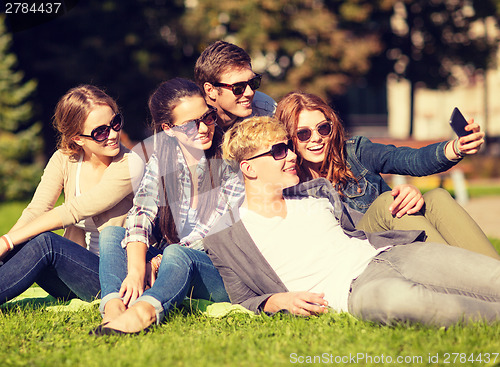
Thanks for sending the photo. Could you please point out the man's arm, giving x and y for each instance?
(238, 291)
(297, 303)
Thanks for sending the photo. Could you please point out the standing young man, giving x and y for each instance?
(295, 247)
(224, 74)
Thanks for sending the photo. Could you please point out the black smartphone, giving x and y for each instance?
(458, 123)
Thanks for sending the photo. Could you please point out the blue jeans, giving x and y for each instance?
(183, 272)
(113, 262)
(428, 283)
(61, 267)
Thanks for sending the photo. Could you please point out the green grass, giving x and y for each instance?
(479, 191)
(10, 213)
(496, 243)
(32, 336)
(473, 191)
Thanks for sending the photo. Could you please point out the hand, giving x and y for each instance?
(407, 200)
(297, 303)
(4, 248)
(470, 144)
(150, 275)
(6, 245)
(132, 287)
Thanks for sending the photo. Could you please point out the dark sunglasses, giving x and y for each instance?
(323, 128)
(101, 133)
(191, 127)
(278, 151)
(239, 88)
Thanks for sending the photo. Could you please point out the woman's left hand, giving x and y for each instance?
(132, 287)
(407, 200)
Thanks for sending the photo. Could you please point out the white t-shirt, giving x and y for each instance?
(308, 249)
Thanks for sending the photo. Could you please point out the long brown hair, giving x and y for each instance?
(334, 167)
(161, 105)
(72, 111)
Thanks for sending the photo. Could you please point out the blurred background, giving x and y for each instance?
(393, 69)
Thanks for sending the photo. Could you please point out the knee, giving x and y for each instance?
(387, 303)
(112, 231)
(437, 196)
(177, 255)
(44, 242)
(382, 202)
(45, 238)
(110, 237)
(387, 197)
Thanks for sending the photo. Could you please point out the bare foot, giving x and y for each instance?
(114, 308)
(136, 318)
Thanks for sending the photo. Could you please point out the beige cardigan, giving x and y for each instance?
(107, 203)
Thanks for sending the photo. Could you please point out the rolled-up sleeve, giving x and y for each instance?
(141, 217)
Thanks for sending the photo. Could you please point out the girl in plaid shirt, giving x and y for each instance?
(186, 188)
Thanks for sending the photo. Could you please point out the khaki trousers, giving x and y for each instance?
(441, 217)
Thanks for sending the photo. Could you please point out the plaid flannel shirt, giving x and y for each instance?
(141, 217)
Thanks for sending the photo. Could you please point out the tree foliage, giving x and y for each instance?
(322, 46)
(327, 46)
(312, 45)
(125, 47)
(429, 39)
(20, 141)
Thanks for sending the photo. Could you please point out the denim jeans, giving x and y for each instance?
(113, 262)
(429, 283)
(61, 267)
(183, 272)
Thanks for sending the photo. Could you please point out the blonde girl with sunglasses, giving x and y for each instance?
(95, 172)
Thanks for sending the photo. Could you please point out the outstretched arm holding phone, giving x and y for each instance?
(470, 138)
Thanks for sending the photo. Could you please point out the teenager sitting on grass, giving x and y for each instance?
(186, 188)
(294, 247)
(225, 76)
(353, 166)
(94, 170)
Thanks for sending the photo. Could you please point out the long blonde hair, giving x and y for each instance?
(72, 111)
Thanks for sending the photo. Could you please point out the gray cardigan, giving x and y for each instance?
(248, 277)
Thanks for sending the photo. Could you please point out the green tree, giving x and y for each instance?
(20, 141)
(313, 45)
(123, 46)
(425, 41)
(325, 46)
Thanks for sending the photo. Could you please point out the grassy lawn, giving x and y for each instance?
(41, 338)
(34, 336)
